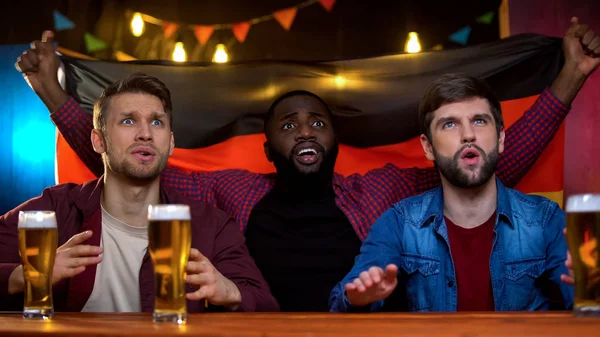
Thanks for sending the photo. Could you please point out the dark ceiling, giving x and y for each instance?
(353, 29)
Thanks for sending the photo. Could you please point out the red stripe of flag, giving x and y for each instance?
(246, 152)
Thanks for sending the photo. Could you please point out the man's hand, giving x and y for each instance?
(72, 257)
(214, 287)
(582, 56)
(593, 273)
(39, 66)
(582, 47)
(568, 279)
(372, 285)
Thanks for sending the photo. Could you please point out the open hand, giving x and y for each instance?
(372, 285)
(73, 257)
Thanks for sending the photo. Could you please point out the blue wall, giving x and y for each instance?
(27, 136)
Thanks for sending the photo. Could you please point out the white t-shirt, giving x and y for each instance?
(116, 287)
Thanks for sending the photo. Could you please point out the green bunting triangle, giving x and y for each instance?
(93, 44)
(486, 18)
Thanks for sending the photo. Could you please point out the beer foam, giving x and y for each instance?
(583, 203)
(169, 212)
(37, 219)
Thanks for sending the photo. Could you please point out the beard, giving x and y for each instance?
(456, 176)
(292, 177)
(141, 172)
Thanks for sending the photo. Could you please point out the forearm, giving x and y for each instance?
(568, 83)
(256, 298)
(247, 291)
(76, 125)
(53, 96)
(529, 136)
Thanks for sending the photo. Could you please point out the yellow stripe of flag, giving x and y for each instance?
(557, 197)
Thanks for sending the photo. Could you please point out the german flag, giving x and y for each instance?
(219, 109)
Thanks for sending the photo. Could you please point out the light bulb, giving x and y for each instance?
(137, 25)
(179, 54)
(340, 81)
(413, 45)
(220, 54)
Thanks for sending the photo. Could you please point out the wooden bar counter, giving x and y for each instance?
(561, 324)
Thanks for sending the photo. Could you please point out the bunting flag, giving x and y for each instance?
(285, 17)
(461, 36)
(93, 44)
(61, 22)
(169, 29)
(327, 4)
(240, 31)
(486, 18)
(374, 100)
(203, 33)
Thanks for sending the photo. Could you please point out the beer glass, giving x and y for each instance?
(169, 243)
(583, 234)
(37, 247)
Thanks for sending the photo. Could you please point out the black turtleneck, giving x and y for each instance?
(303, 244)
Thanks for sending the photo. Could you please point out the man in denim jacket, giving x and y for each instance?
(471, 244)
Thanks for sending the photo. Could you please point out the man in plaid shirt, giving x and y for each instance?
(300, 214)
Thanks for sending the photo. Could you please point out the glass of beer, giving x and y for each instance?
(583, 236)
(169, 243)
(37, 246)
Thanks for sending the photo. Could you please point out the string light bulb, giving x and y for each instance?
(220, 54)
(179, 54)
(137, 24)
(340, 81)
(413, 45)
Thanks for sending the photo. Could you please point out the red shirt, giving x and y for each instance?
(471, 249)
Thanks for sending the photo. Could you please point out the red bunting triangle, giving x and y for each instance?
(285, 17)
(203, 33)
(240, 30)
(169, 28)
(327, 4)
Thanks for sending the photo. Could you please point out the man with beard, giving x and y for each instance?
(304, 224)
(102, 263)
(471, 244)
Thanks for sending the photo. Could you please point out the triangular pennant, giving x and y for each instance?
(61, 22)
(285, 17)
(93, 44)
(240, 30)
(486, 18)
(169, 28)
(327, 4)
(203, 33)
(461, 36)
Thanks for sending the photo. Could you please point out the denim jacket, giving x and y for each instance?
(527, 258)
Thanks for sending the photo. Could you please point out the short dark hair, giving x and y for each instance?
(456, 87)
(134, 83)
(271, 111)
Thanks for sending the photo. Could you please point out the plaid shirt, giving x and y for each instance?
(363, 198)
